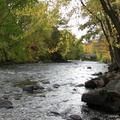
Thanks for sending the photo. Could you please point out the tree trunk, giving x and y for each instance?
(117, 53)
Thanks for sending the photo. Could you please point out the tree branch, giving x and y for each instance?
(112, 16)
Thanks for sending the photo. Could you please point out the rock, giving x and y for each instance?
(75, 89)
(5, 97)
(108, 97)
(98, 74)
(45, 82)
(40, 87)
(113, 88)
(89, 67)
(28, 88)
(117, 76)
(75, 117)
(117, 119)
(112, 105)
(55, 112)
(97, 82)
(5, 103)
(17, 97)
(85, 110)
(90, 84)
(113, 67)
(95, 118)
(79, 85)
(110, 75)
(95, 97)
(31, 88)
(42, 96)
(56, 85)
(36, 87)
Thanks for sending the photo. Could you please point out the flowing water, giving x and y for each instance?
(50, 103)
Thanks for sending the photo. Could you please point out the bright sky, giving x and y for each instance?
(77, 32)
(75, 19)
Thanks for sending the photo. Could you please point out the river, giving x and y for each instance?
(50, 103)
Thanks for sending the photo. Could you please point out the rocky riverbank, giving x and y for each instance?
(105, 91)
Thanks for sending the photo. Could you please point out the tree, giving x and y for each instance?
(26, 27)
(112, 10)
(100, 18)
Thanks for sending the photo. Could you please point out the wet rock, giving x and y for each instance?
(36, 87)
(110, 75)
(113, 67)
(112, 105)
(101, 100)
(89, 67)
(65, 100)
(95, 118)
(56, 85)
(113, 88)
(5, 103)
(85, 110)
(42, 96)
(97, 82)
(17, 97)
(55, 112)
(98, 74)
(90, 84)
(75, 117)
(117, 76)
(108, 97)
(117, 119)
(5, 97)
(28, 88)
(39, 87)
(45, 82)
(96, 97)
(31, 88)
(75, 89)
(79, 85)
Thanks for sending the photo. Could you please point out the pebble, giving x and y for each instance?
(55, 112)
(56, 85)
(80, 85)
(45, 82)
(75, 117)
(89, 67)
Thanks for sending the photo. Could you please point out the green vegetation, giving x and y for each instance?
(29, 32)
(23, 83)
(103, 23)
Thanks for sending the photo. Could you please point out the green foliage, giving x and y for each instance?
(29, 33)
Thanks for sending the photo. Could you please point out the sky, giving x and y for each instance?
(78, 33)
(76, 19)
(75, 22)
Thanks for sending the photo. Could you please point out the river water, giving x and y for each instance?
(50, 103)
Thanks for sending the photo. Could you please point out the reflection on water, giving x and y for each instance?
(50, 103)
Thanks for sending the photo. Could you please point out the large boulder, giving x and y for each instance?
(113, 88)
(97, 82)
(4, 103)
(113, 67)
(90, 84)
(107, 97)
(97, 97)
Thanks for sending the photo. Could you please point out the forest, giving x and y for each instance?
(29, 31)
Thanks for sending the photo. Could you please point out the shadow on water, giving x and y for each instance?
(61, 97)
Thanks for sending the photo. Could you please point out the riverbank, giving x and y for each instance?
(105, 93)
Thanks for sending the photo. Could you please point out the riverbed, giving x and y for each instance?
(52, 103)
